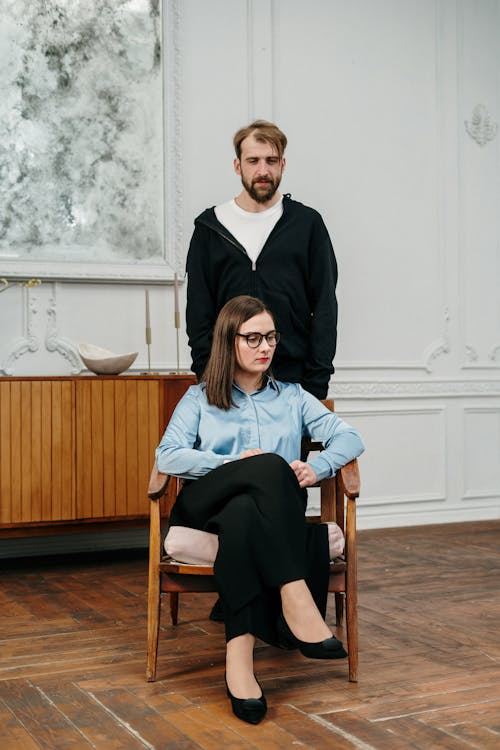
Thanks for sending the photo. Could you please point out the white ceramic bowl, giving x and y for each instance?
(104, 362)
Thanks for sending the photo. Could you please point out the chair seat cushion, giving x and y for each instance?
(191, 545)
(197, 547)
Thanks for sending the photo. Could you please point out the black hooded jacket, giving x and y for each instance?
(295, 275)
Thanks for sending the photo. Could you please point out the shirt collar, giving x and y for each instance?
(270, 383)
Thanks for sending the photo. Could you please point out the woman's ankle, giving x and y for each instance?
(240, 676)
(301, 613)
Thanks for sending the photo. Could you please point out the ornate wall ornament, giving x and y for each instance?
(472, 359)
(29, 342)
(441, 346)
(481, 127)
(494, 354)
(470, 354)
(56, 343)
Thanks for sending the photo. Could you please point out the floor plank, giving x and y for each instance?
(72, 667)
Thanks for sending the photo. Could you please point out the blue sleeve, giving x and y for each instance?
(341, 442)
(177, 453)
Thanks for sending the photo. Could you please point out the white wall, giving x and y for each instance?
(374, 96)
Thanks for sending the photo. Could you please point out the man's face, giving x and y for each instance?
(260, 169)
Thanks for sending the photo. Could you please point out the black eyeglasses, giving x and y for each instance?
(254, 340)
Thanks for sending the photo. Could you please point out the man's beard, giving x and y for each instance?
(264, 193)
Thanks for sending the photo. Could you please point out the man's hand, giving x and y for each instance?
(306, 476)
(251, 452)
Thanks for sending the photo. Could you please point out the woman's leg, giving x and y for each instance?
(239, 667)
(257, 508)
(301, 613)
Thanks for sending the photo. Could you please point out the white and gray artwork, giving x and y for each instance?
(81, 143)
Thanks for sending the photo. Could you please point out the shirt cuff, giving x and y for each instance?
(321, 467)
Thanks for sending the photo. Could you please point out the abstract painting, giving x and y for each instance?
(81, 131)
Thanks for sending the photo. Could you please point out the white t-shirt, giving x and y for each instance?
(250, 228)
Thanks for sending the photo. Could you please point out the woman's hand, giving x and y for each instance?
(251, 452)
(306, 476)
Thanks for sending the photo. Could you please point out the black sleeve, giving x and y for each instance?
(201, 307)
(323, 302)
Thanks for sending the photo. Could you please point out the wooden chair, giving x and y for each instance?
(338, 503)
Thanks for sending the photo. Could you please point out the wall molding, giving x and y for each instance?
(379, 518)
(402, 500)
(413, 389)
(471, 494)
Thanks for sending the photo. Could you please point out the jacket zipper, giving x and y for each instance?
(236, 245)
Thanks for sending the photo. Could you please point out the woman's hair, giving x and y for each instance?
(219, 373)
(264, 132)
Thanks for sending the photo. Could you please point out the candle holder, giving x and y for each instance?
(149, 338)
(148, 343)
(177, 317)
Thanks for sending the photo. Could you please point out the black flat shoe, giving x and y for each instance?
(251, 710)
(331, 648)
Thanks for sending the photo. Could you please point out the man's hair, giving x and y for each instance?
(219, 373)
(263, 131)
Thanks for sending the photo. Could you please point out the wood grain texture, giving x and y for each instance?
(80, 448)
(36, 451)
(73, 646)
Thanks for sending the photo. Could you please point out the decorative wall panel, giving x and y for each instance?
(479, 160)
(371, 160)
(481, 464)
(409, 464)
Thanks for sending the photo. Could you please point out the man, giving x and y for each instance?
(266, 245)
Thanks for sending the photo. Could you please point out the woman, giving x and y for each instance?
(271, 568)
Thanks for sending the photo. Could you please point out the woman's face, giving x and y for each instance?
(254, 360)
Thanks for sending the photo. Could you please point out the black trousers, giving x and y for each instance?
(257, 508)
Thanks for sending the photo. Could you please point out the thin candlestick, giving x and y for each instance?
(177, 315)
(176, 295)
(148, 330)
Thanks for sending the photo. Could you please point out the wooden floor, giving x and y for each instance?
(72, 657)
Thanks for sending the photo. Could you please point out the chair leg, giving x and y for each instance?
(352, 624)
(339, 609)
(351, 591)
(154, 604)
(174, 606)
(352, 639)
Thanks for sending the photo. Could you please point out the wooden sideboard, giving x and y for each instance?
(75, 450)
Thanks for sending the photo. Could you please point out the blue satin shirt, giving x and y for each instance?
(201, 437)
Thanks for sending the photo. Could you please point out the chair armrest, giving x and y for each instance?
(350, 479)
(158, 483)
